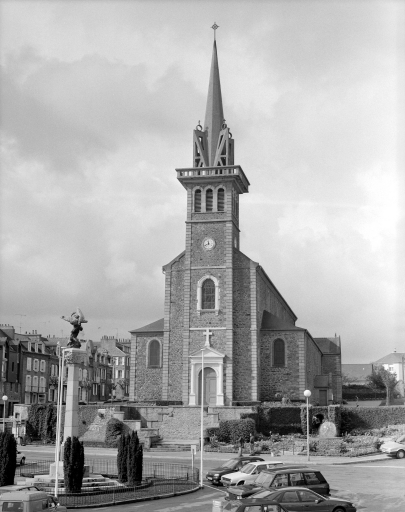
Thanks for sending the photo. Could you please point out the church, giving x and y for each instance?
(228, 337)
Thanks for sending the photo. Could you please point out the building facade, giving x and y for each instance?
(228, 337)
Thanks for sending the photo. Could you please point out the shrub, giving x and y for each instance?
(233, 430)
(122, 455)
(8, 458)
(371, 417)
(113, 432)
(73, 464)
(41, 422)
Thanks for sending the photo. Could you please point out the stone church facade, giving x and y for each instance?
(228, 337)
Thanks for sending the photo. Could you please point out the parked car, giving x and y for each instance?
(20, 459)
(12, 488)
(264, 505)
(300, 498)
(248, 473)
(230, 466)
(282, 477)
(395, 448)
(29, 501)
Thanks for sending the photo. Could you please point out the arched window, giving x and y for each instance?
(209, 200)
(279, 353)
(154, 354)
(208, 294)
(28, 383)
(197, 200)
(221, 200)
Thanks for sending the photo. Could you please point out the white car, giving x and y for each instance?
(248, 473)
(395, 447)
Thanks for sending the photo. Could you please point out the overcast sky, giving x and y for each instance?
(98, 103)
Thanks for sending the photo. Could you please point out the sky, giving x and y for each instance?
(99, 100)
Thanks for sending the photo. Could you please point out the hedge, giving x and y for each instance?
(279, 419)
(371, 417)
(232, 430)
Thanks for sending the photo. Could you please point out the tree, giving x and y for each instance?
(8, 458)
(347, 380)
(132, 450)
(381, 378)
(122, 456)
(73, 464)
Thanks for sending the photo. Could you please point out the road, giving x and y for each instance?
(373, 486)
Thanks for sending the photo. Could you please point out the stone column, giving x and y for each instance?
(73, 358)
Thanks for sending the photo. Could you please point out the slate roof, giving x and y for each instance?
(357, 371)
(328, 345)
(271, 322)
(111, 349)
(394, 357)
(157, 326)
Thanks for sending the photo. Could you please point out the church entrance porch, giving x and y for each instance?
(213, 363)
(210, 387)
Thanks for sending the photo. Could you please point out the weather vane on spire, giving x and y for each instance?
(215, 26)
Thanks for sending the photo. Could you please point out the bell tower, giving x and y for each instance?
(213, 184)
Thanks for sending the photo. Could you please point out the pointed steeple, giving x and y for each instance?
(214, 113)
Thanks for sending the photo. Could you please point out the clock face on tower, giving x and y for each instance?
(208, 244)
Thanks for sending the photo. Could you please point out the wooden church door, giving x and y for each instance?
(210, 387)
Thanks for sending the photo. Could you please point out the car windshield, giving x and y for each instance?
(12, 505)
(231, 506)
(248, 469)
(263, 478)
(261, 494)
(229, 464)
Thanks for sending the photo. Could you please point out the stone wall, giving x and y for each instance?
(279, 379)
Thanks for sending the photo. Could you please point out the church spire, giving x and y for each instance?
(213, 144)
(214, 113)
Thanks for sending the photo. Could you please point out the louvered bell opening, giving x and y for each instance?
(209, 200)
(197, 201)
(221, 200)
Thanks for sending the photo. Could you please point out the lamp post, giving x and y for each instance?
(4, 398)
(59, 416)
(307, 394)
(202, 418)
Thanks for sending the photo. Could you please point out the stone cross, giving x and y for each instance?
(207, 334)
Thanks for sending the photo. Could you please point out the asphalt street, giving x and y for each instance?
(373, 483)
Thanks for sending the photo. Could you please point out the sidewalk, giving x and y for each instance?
(216, 457)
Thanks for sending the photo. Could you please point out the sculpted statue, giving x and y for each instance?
(76, 319)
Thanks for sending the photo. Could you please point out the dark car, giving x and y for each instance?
(20, 459)
(264, 505)
(288, 476)
(230, 466)
(300, 498)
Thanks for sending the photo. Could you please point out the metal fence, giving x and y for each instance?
(159, 480)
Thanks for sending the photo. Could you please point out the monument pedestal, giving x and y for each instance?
(74, 358)
(52, 470)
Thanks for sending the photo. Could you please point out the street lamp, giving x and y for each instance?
(4, 398)
(307, 394)
(202, 418)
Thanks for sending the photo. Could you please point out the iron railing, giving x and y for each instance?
(159, 480)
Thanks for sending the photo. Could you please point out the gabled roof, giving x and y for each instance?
(357, 371)
(157, 326)
(394, 357)
(271, 322)
(112, 350)
(328, 345)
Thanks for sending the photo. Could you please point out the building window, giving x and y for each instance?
(42, 384)
(43, 366)
(221, 200)
(35, 365)
(154, 354)
(27, 398)
(28, 383)
(197, 200)
(94, 389)
(279, 353)
(208, 294)
(209, 200)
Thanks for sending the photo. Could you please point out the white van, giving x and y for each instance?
(29, 501)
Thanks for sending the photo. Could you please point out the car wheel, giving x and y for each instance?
(400, 454)
(339, 509)
(22, 462)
